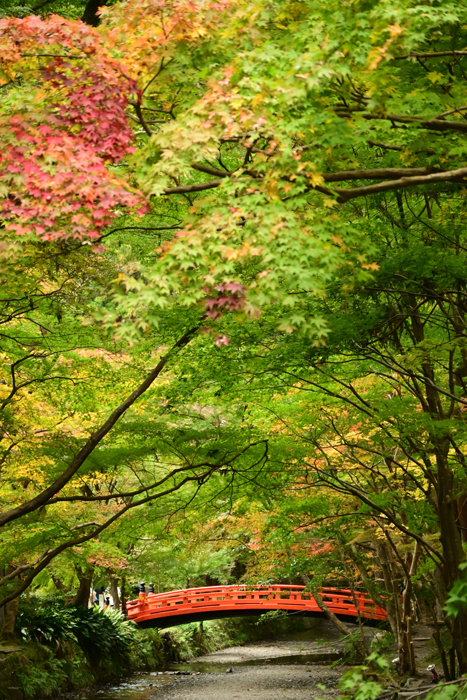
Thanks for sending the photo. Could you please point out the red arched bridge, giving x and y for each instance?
(195, 604)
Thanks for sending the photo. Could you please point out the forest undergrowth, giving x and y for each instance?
(67, 649)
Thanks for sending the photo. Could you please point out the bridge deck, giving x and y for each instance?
(179, 607)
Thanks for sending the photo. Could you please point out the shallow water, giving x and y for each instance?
(137, 687)
(289, 659)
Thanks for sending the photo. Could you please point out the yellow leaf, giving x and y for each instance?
(395, 29)
(316, 179)
(257, 99)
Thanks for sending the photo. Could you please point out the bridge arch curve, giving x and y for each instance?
(214, 602)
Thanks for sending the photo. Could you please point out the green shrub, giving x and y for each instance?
(44, 681)
(41, 674)
(46, 621)
(147, 650)
(103, 634)
(100, 633)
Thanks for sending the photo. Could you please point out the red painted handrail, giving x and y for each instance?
(222, 599)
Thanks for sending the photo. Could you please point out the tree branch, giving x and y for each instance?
(40, 4)
(50, 554)
(198, 187)
(391, 147)
(43, 497)
(85, 538)
(211, 171)
(345, 487)
(223, 461)
(434, 124)
(141, 118)
(378, 174)
(344, 195)
(431, 54)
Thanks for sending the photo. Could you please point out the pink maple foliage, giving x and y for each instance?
(57, 146)
(230, 297)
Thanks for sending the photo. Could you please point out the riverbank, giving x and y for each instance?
(43, 671)
(286, 665)
(256, 669)
(281, 663)
(197, 659)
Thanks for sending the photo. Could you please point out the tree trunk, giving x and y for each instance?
(341, 626)
(90, 15)
(406, 649)
(9, 619)
(114, 592)
(59, 585)
(391, 604)
(81, 599)
(329, 614)
(383, 602)
(461, 512)
(439, 644)
(123, 594)
(452, 551)
(351, 580)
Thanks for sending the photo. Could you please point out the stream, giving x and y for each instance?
(292, 667)
(289, 666)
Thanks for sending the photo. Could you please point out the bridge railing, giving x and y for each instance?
(287, 597)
